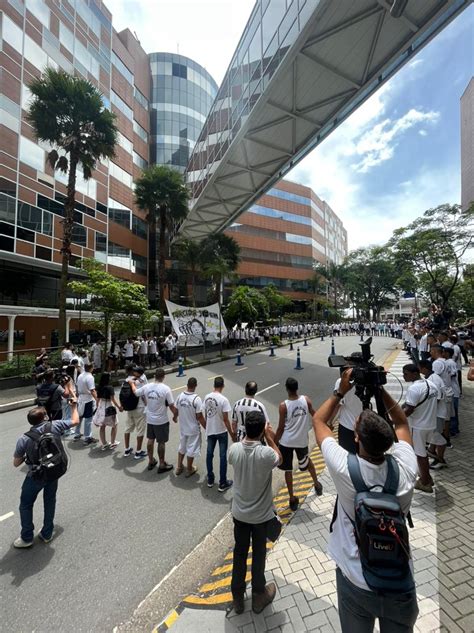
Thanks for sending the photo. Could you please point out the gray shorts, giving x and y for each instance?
(158, 432)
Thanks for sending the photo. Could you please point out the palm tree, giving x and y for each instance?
(188, 253)
(161, 192)
(68, 113)
(220, 257)
(317, 283)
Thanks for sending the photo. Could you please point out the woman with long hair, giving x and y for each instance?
(106, 412)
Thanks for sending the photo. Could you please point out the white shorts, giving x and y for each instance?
(436, 436)
(136, 421)
(420, 437)
(190, 445)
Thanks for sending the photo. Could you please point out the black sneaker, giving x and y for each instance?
(90, 440)
(225, 486)
(152, 465)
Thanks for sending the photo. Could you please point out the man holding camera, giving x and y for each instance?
(359, 605)
(87, 403)
(25, 452)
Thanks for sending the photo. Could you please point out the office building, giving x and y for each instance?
(181, 96)
(284, 236)
(77, 37)
(467, 145)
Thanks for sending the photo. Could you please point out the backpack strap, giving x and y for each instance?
(393, 476)
(355, 474)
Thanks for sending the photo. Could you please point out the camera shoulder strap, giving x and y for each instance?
(425, 397)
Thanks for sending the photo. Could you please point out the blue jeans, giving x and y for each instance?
(212, 440)
(87, 418)
(454, 425)
(29, 491)
(358, 609)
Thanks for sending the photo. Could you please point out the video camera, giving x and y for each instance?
(364, 371)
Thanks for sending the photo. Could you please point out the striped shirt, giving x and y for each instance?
(240, 410)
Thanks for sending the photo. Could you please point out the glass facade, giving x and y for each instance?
(181, 97)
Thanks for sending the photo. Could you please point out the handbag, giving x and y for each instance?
(110, 410)
(274, 528)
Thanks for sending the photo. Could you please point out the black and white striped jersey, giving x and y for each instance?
(240, 410)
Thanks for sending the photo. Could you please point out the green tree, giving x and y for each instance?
(161, 192)
(318, 285)
(188, 253)
(220, 255)
(431, 250)
(124, 305)
(334, 274)
(277, 302)
(68, 113)
(246, 305)
(371, 277)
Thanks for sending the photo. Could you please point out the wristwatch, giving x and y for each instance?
(338, 394)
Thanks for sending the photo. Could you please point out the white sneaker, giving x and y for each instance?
(21, 544)
(104, 447)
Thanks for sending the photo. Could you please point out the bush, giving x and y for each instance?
(22, 365)
(275, 340)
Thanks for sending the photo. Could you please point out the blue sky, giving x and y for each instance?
(397, 156)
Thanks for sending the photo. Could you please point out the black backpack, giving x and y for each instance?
(381, 532)
(46, 399)
(128, 399)
(47, 455)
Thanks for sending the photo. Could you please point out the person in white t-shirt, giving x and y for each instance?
(128, 352)
(158, 398)
(421, 408)
(216, 410)
(292, 435)
(189, 406)
(441, 369)
(437, 446)
(358, 605)
(67, 353)
(87, 402)
(350, 407)
(448, 355)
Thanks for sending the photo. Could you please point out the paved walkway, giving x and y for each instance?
(442, 544)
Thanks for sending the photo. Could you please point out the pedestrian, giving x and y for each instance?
(168, 347)
(437, 447)
(135, 410)
(292, 436)
(252, 509)
(128, 352)
(350, 407)
(96, 351)
(218, 428)
(50, 395)
(27, 451)
(158, 399)
(152, 350)
(189, 406)
(360, 604)
(440, 368)
(420, 407)
(244, 406)
(448, 355)
(87, 403)
(106, 412)
(67, 353)
(143, 352)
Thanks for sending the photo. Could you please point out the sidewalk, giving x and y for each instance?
(442, 544)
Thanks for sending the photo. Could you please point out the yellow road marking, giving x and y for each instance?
(221, 598)
(177, 388)
(171, 619)
(218, 584)
(216, 376)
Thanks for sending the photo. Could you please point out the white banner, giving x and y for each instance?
(191, 323)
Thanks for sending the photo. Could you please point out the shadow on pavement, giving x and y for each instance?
(22, 564)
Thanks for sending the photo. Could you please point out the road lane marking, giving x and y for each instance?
(241, 369)
(176, 388)
(267, 388)
(6, 516)
(216, 376)
(264, 363)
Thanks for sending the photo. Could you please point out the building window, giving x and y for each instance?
(139, 227)
(143, 134)
(139, 264)
(120, 174)
(31, 154)
(121, 105)
(139, 161)
(121, 216)
(118, 256)
(7, 208)
(123, 70)
(43, 253)
(180, 70)
(140, 97)
(101, 247)
(79, 235)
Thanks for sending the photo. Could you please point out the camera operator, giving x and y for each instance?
(50, 394)
(359, 606)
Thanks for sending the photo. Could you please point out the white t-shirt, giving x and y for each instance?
(143, 347)
(169, 343)
(128, 350)
(189, 404)
(142, 380)
(442, 409)
(342, 545)
(214, 407)
(85, 384)
(152, 346)
(453, 372)
(440, 367)
(67, 355)
(447, 344)
(295, 434)
(351, 408)
(423, 395)
(158, 397)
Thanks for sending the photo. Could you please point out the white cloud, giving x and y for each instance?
(422, 132)
(336, 171)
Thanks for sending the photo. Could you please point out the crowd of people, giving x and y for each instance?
(391, 455)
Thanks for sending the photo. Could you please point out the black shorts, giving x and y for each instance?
(158, 432)
(287, 458)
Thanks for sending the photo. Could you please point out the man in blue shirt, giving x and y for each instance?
(30, 489)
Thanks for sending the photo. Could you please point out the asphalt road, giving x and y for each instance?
(119, 528)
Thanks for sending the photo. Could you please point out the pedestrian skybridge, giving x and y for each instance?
(300, 69)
